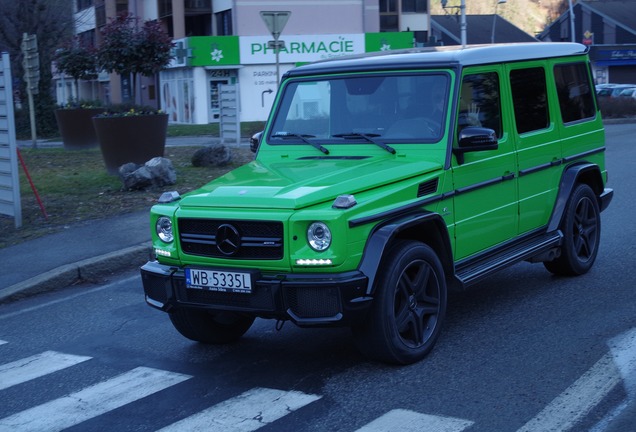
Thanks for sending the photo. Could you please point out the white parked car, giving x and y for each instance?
(628, 92)
(612, 90)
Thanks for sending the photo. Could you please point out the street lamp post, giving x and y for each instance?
(462, 19)
(494, 21)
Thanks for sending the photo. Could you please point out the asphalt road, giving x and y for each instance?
(524, 351)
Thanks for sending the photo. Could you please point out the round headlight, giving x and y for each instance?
(318, 236)
(164, 229)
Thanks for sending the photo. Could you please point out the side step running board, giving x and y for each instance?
(473, 271)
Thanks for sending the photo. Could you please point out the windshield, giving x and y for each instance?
(378, 109)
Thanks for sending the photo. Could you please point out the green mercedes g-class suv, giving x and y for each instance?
(382, 181)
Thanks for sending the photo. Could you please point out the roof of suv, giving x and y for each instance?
(450, 56)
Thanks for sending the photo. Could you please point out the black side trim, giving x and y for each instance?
(560, 161)
(486, 183)
(473, 270)
(580, 155)
(540, 167)
(334, 157)
(403, 210)
(400, 211)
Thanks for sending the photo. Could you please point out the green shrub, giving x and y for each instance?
(46, 125)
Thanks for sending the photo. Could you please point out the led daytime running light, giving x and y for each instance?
(312, 262)
(161, 252)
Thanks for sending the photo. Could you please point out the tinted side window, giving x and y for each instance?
(529, 98)
(479, 103)
(575, 96)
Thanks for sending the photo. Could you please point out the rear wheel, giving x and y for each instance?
(409, 306)
(581, 228)
(215, 327)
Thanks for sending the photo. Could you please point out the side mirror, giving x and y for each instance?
(255, 141)
(472, 139)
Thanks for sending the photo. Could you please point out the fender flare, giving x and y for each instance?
(383, 234)
(569, 179)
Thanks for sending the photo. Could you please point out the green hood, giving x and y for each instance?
(297, 184)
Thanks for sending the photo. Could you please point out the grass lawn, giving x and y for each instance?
(74, 186)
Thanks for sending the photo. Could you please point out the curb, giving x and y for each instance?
(623, 120)
(88, 270)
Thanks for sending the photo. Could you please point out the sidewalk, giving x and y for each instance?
(170, 141)
(90, 250)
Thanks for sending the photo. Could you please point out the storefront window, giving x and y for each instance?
(177, 95)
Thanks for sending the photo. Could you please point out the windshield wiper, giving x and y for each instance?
(303, 138)
(368, 137)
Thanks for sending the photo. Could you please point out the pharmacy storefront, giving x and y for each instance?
(190, 87)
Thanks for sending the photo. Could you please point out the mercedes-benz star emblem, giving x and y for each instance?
(228, 239)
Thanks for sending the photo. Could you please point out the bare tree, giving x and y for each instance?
(51, 21)
(529, 15)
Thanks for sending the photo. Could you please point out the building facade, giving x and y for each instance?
(225, 46)
(480, 29)
(609, 28)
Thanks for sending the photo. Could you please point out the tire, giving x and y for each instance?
(581, 227)
(408, 308)
(213, 327)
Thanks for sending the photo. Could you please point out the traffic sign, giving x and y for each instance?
(31, 62)
(275, 21)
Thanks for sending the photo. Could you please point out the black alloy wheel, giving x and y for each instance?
(409, 306)
(581, 228)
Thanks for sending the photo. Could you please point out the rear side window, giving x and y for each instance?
(575, 95)
(479, 103)
(529, 98)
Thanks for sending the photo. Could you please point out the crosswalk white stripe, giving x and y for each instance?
(92, 401)
(411, 421)
(36, 366)
(244, 413)
(577, 400)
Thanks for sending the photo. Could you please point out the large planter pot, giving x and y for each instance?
(76, 127)
(130, 139)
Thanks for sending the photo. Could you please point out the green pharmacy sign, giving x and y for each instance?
(213, 50)
(387, 41)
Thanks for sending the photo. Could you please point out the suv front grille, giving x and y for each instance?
(232, 239)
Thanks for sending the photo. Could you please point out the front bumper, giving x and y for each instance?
(306, 299)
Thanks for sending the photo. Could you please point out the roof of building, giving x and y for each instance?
(444, 56)
(622, 12)
(479, 29)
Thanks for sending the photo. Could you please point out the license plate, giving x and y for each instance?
(219, 280)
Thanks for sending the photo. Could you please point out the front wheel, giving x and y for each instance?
(409, 306)
(214, 327)
(581, 228)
